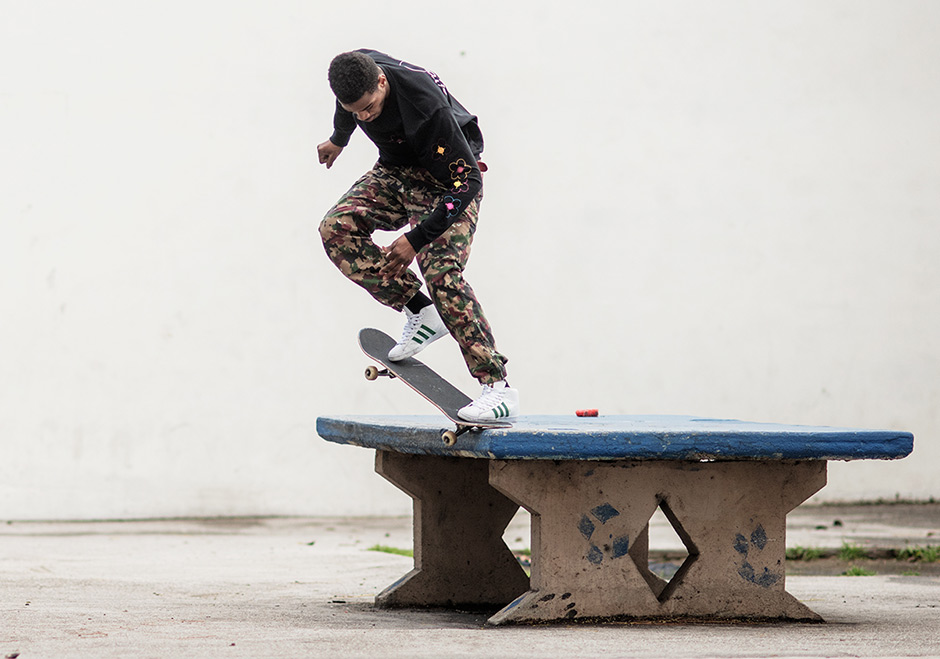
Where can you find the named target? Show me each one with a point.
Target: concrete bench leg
(590, 537)
(460, 557)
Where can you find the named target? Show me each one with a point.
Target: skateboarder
(428, 179)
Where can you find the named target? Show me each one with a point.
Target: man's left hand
(398, 256)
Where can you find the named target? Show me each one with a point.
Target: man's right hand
(328, 153)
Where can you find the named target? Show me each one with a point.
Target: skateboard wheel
(449, 437)
(372, 373)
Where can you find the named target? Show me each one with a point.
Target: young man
(427, 178)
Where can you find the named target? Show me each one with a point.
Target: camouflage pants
(389, 199)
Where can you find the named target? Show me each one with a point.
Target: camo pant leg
(442, 264)
(374, 202)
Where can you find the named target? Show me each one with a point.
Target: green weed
(803, 553)
(855, 571)
(850, 552)
(928, 554)
(392, 550)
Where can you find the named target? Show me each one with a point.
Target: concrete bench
(591, 486)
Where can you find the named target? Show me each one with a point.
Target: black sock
(418, 302)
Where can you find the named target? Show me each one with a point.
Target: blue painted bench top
(620, 437)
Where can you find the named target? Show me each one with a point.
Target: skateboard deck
(432, 387)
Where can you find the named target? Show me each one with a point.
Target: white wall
(725, 209)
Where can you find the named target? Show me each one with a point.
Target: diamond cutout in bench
(674, 552)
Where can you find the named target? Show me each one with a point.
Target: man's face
(370, 106)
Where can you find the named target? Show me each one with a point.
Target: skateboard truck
(374, 373)
(449, 437)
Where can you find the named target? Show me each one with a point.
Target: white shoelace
(490, 398)
(414, 322)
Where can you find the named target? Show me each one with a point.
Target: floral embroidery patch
(452, 204)
(460, 173)
(441, 151)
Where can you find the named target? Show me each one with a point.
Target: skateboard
(432, 387)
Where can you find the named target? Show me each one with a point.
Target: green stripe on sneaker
(422, 336)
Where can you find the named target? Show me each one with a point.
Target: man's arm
(343, 126)
(444, 151)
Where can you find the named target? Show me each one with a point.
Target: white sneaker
(498, 402)
(421, 330)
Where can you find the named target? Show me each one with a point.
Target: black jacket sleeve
(445, 153)
(344, 124)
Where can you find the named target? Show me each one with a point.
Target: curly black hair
(352, 75)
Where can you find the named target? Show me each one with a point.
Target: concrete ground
(304, 588)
